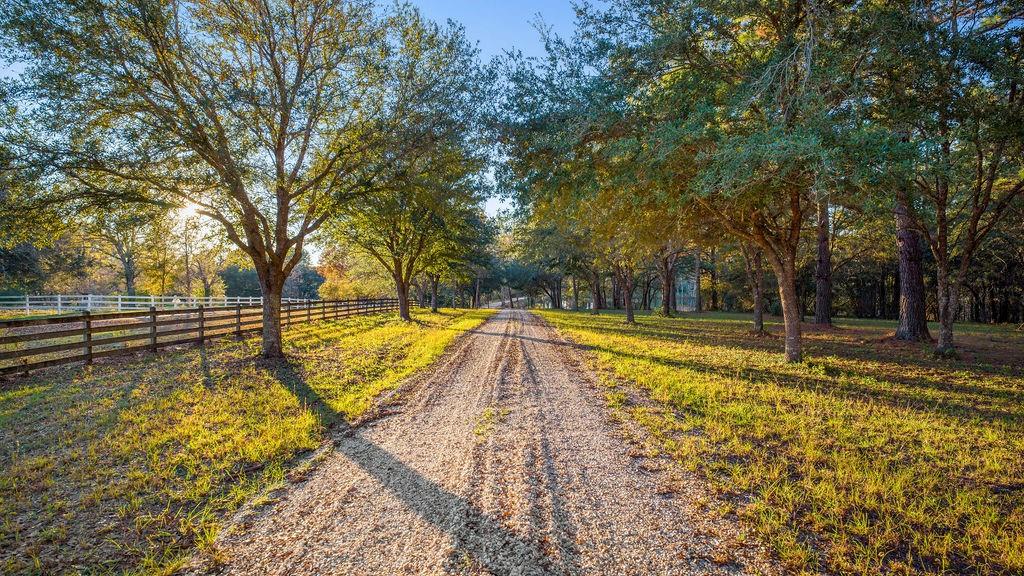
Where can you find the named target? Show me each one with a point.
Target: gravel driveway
(500, 460)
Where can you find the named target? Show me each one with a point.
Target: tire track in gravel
(502, 460)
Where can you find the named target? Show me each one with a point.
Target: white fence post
(61, 303)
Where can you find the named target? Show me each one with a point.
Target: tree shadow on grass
(477, 538)
(954, 404)
(963, 399)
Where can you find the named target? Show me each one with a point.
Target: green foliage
(425, 210)
(267, 119)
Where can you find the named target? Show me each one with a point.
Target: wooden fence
(61, 303)
(34, 343)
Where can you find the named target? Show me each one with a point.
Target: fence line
(34, 343)
(71, 302)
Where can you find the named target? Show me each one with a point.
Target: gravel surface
(500, 460)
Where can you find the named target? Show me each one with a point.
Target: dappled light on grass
(134, 463)
(865, 458)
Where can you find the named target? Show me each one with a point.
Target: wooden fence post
(87, 337)
(152, 328)
(202, 326)
(309, 311)
(238, 321)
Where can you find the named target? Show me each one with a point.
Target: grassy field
(131, 465)
(869, 457)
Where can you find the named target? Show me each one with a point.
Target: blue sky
(502, 25)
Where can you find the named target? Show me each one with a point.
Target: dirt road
(501, 460)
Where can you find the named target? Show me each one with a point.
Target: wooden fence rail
(110, 302)
(35, 343)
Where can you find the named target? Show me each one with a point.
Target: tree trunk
(913, 320)
(616, 301)
(271, 346)
(713, 273)
(785, 273)
(948, 301)
(433, 293)
(420, 293)
(673, 298)
(696, 285)
(402, 289)
(128, 267)
(575, 294)
(754, 267)
(666, 287)
(476, 293)
(627, 296)
(823, 271)
(595, 287)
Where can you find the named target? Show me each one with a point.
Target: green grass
(129, 466)
(869, 457)
(22, 315)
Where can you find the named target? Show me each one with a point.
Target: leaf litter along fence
(34, 343)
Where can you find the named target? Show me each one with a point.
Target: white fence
(61, 303)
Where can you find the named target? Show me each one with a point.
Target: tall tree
(124, 232)
(266, 115)
(949, 78)
(823, 267)
(746, 122)
(912, 323)
(434, 192)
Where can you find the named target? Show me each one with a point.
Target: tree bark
(948, 301)
(627, 295)
(673, 297)
(785, 273)
(420, 293)
(616, 292)
(666, 287)
(823, 270)
(713, 274)
(271, 345)
(433, 293)
(696, 276)
(754, 266)
(129, 276)
(402, 289)
(575, 294)
(913, 321)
